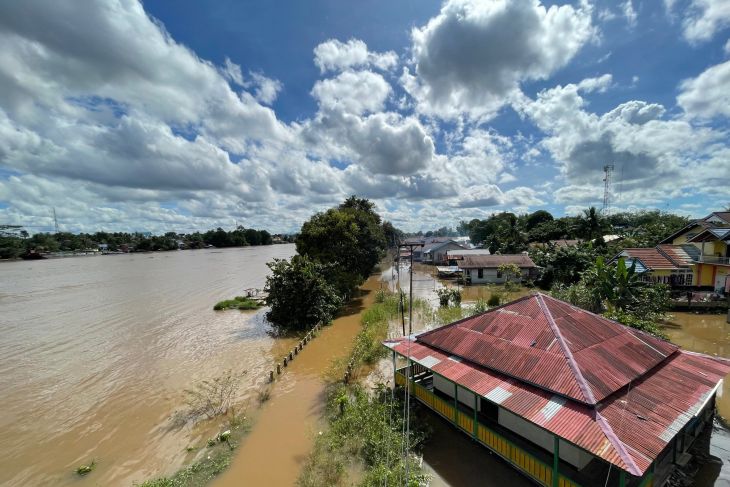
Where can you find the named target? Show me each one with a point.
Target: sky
(182, 116)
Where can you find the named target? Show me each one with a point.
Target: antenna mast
(608, 171)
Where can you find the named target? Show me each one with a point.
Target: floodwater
(96, 352)
(275, 451)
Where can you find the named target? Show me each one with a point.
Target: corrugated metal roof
(651, 257)
(553, 345)
(494, 261)
(628, 429)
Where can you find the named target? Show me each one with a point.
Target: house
(435, 252)
(665, 264)
(418, 255)
(565, 396)
(707, 241)
(483, 269)
(452, 256)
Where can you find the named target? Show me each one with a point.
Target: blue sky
(189, 115)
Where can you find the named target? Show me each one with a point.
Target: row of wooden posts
(294, 352)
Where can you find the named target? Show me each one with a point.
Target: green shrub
(495, 299)
(239, 302)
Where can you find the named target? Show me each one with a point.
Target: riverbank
(275, 451)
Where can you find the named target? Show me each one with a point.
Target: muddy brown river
(96, 351)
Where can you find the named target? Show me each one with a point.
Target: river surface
(96, 351)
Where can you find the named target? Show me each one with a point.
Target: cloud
(707, 95)
(353, 92)
(627, 8)
(650, 153)
(334, 55)
(703, 18)
(473, 55)
(265, 89)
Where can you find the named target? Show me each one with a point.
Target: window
(480, 273)
(499, 274)
(488, 409)
(688, 280)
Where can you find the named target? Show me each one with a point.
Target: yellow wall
(703, 278)
(682, 239)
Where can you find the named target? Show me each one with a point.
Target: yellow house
(707, 242)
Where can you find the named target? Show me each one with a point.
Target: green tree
(299, 293)
(592, 224)
(350, 237)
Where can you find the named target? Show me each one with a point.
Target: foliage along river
(96, 351)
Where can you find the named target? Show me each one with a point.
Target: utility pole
(607, 170)
(410, 247)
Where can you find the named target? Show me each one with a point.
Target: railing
(527, 463)
(713, 259)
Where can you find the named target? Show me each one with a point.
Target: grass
(239, 302)
(217, 456)
(365, 430)
(364, 434)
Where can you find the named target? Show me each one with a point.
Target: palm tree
(591, 225)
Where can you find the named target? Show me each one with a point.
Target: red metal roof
(489, 261)
(628, 429)
(651, 257)
(553, 345)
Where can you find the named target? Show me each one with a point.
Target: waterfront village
(564, 395)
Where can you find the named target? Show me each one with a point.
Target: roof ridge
(577, 374)
(667, 256)
(618, 445)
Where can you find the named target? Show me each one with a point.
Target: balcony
(713, 259)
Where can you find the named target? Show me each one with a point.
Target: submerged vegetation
(86, 469)
(239, 302)
(365, 430)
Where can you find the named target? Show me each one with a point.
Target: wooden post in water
(278, 369)
(284, 361)
(271, 376)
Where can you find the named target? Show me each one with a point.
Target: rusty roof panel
(641, 417)
(582, 356)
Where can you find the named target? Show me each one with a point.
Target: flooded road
(275, 451)
(96, 351)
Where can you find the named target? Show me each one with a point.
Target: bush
(495, 299)
(239, 302)
(481, 306)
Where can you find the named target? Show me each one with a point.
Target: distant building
(561, 242)
(452, 256)
(665, 264)
(566, 397)
(484, 269)
(103, 247)
(435, 252)
(706, 242)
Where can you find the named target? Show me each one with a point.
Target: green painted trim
(534, 424)
(476, 424)
(556, 460)
(622, 479)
